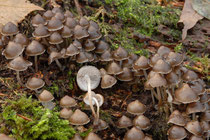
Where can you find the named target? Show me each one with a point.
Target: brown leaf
(15, 10)
(189, 17)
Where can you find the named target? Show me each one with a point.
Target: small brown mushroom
(177, 118)
(136, 108)
(134, 134)
(66, 113)
(38, 19)
(80, 32)
(126, 75)
(48, 15)
(54, 24)
(101, 47)
(13, 50)
(124, 122)
(56, 38)
(9, 29)
(176, 132)
(194, 127)
(79, 118)
(67, 102)
(70, 22)
(92, 136)
(142, 122)
(46, 98)
(114, 68)
(35, 83)
(21, 39)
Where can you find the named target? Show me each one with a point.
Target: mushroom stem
(18, 77)
(90, 96)
(159, 96)
(170, 99)
(36, 65)
(145, 74)
(59, 65)
(98, 108)
(193, 116)
(152, 94)
(58, 47)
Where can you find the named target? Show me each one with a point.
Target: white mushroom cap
(93, 73)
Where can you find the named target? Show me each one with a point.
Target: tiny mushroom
(67, 102)
(79, 118)
(46, 98)
(136, 108)
(35, 83)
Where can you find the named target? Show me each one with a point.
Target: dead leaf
(15, 10)
(189, 17)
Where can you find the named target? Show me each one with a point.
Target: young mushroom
(46, 98)
(35, 84)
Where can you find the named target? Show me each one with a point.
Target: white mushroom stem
(36, 65)
(18, 77)
(90, 96)
(98, 109)
(170, 99)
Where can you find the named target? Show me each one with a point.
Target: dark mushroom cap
(205, 126)
(41, 31)
(35, 83)
(13, 50)
(89, 45)
(134, 134)
(205, 98)
(205, 116)
(136, 108)
(92, 136)
(48, 15)
(101, 47)
(129, 62)
(66, 113)
(94, 33)
(177, 118)
(54, 24)
(45, 96)
(126, 75)
(190, 76)
(5, 137)
(102, 125)
(163, 51)
(35, 48)
(66, 32)
(142, 122)
(67, 101)
(107, 81)
(38, 19)
(162, 67)
(154, 59)
(114, 68)
(186, 95)
(80, 32)
(60, 16)
(157, 80)
(83, 22)
(172, 78)
(174, 59)
(79, 118)
(68, 14)
(176, 133)
(19, 64)
(72, 50)
(21, 39)
(70, 22)
(81, 57)
(124, 122)
(55, 38)
(120, 54)
(141, 63)
(9, 29)
(77, 44)
(89, 56)
(194, 127)
(195, 107)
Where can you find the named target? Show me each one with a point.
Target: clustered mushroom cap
(205, 116)
(68, 14)
(134, 134)
(136, 108)
(195, 107)
(80, 32)
(172, 78)
(157, 80)
(101, 47)
(107, 81)
(66, 113)
(205, 126)
(114, 68)
(35, 48)
(142, 122)
(54, 24)
(38, 19)
(163, 51)
(194, 127)
(67, 101)
(79, 118)
(21, 39)
(19, 64)
(77, 137)
(141, 63)
(124, 122)
(102, 125)
(60, 16)
(198, 88)
(55, 38)
(84, 22)
(48, 15)
(53, 56)
(89, 45)
(174, 59)
(94, 33)
(190, 76)
(41, 31)
(176, 132)
(66, 32)
(126, 75)
(46, 96)
(177, 118)
(70, 22)
(92, 136)
(154, 59)
(120, 54)
(35, 83)
(94, 75)
(162, 67)
(81, 57)
(72, 50)
(193, 137)
(9, 29)
(13, 50)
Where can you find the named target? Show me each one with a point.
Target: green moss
(42, 124)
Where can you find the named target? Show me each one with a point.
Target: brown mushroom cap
(106, 56)
(195, 107)
(141, 63)
(45, 96)
(101, 47)
(193, 137)
(194, 127)
(21, 39)
(13, 50)
(136, 108)
(176, 132)
(142, 122)
(55, 38)
(102, 125)
(5, 137)
(81, 57)
(198, 88)
(120, 54)
(77, 44)
(129, 62)
(174, 59)
(80, 32)
(154, 59)
(94, 24)
(89, 45)
(124, 122)
(138, 73)
(57, 10)
(163, 51)
(114, 68)
(134, 134)
(107, 81)
(35, 83)
(89, 56)
(60, 16)
(126, 75)
(177, 118)
(205, 126)
(54, 24)
(19, 64)
(70, 22)
(79, 118)
(94, 33)
(48, 15)
(162, 67)
(53, 56)
(41, 31)
(77, 137)
(190, 76)
(67, 101)
(68, 14)
(66, 32)
(205, 116)
(38, 19)
(172, 78)
(35, 48)
(157, 80)
(186, 95)
(205, 98)
(83, 22)
(92, 136)
(9, 29)
(66, 113)
(72, 50)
